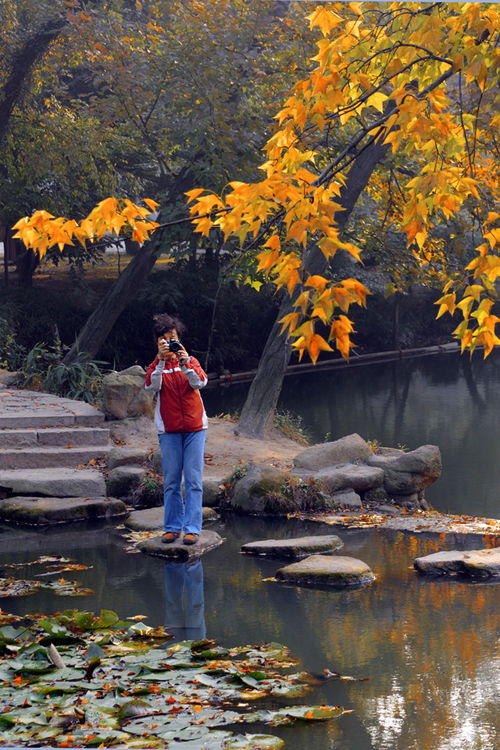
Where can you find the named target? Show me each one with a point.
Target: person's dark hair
(164, 322)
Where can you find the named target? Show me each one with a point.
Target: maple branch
(325, 174)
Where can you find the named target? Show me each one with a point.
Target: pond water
(429, 648)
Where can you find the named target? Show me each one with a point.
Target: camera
(174, 345)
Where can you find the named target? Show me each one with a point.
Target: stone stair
(49, 453)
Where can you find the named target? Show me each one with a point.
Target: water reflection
(184, 600)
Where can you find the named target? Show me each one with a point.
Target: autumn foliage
(420, 79)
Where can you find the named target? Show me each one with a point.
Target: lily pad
(179, 697)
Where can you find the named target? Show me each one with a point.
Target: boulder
(123, 480)
(211, 492)
(327, 570)
(407, 473)
(347, 498)
(45, 511)
(123, 394)
(346, 450)
(260, 492)
(296, 548)
(179, 552)
(482, 563)
(357, 477)
(9, 378)
(125, 455)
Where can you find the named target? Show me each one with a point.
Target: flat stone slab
(151, 519)
(19, 408)
(44, 511)
(178, 551)
(331, 571)
(295, 548)
(481, 563)
(53, 482)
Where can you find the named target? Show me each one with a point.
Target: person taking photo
(181, 422)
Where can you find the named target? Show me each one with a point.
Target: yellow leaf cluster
(111, 218)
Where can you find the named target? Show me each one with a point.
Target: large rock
(327, 570)
(482, 563)
(407, 473)
(350, 476)
(124, 395)
(346, 498)
(295, 548)
(260, 492)
(346, 450)
(123, 480)
(211, 492)
(178, 551)
(126, 455)
(44, 511)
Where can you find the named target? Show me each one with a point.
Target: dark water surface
(429, 648)
(447, 400)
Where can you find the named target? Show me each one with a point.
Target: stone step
(49, 457)
(50, 436)
(19, 408)
(44, 511)
(51, 419)
(63, 482)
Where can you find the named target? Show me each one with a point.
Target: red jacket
(179, 407)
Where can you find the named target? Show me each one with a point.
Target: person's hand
(163, 352)
(182, 356)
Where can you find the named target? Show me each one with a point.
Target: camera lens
(174, 345)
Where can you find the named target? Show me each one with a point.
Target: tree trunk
(26, 265)
(96, 329)
(265, 389)
(23, 63)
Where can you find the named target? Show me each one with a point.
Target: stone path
(49, 451)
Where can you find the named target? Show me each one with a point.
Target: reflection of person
(181, 423)
(184, 601)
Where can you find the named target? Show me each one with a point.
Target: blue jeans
(182, 452)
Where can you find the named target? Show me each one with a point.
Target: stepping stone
(44, 511)
(296, 548)
(481, 563)
(53, 482)
(151, 519)
(49, 457)
(178, 551)
(327, 571)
